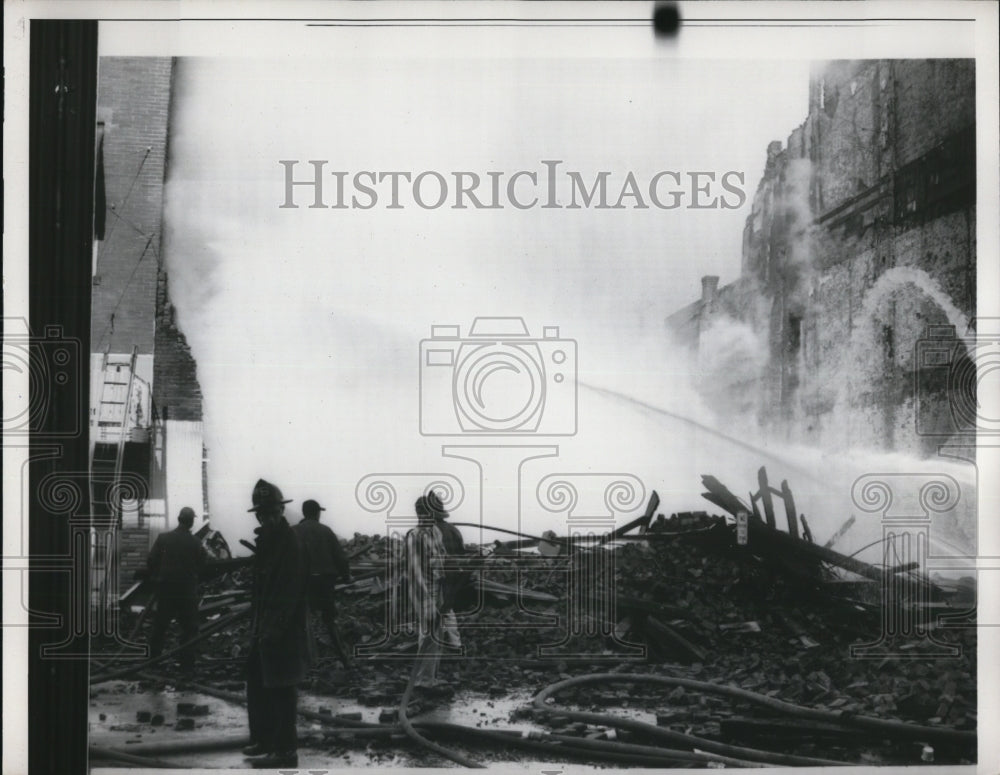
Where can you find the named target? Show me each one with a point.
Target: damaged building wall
(860, 237)
(131, 315)
(179, 437)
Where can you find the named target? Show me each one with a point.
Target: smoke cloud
(306, 325)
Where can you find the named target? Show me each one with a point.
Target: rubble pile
(687, 595)
(687, 600)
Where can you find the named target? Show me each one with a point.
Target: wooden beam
(674, 639)
(764, 493)
(720, 495)
(840, 533)
(790, 514)
(651, 507)
(780, 540)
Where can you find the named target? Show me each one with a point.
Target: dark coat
(455, 579)
(176, 559)
(322, 548)
(451, 537)
(278, 607)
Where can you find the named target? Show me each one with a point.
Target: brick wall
(847, 107)
(877, 177)
(133, 104)
(175, 374)
(921, 86)
(893, 119)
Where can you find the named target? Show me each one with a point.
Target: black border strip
(62, 114)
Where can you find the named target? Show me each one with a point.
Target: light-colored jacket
(424, 574)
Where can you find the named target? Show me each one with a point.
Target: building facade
(860, 249)
(148, 458)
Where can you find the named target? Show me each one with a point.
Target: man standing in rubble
(455, 580)
(327, 561)
(174, 563)
(280, 650)
(425, 554)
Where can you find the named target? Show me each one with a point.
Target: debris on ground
(778, 616)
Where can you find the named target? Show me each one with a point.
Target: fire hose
(542, 742)
(518, 533)
(603, 539)
(355, 727)
(224, 743)
(109, 754)
(888, 727)
(608, 750)
(131, 635)
(622, 753)
(713, 749)
(210, 630)
(412, 733)
(700, 743)
(556, 744)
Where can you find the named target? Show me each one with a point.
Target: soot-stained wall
(860, 242)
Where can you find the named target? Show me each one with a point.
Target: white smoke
(306, 324)
(732, 360)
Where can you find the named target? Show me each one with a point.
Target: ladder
(112, 431)
(116, 393)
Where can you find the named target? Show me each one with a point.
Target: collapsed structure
(748, 630)
(858, 269)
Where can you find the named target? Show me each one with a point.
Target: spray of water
(822, 480)
(732, 357)
(894, 315)
(759, 452)
(897, 280)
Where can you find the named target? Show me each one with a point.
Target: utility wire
(121, 295)
(128, 194)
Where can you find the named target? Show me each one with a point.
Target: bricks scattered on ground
(718, 614)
